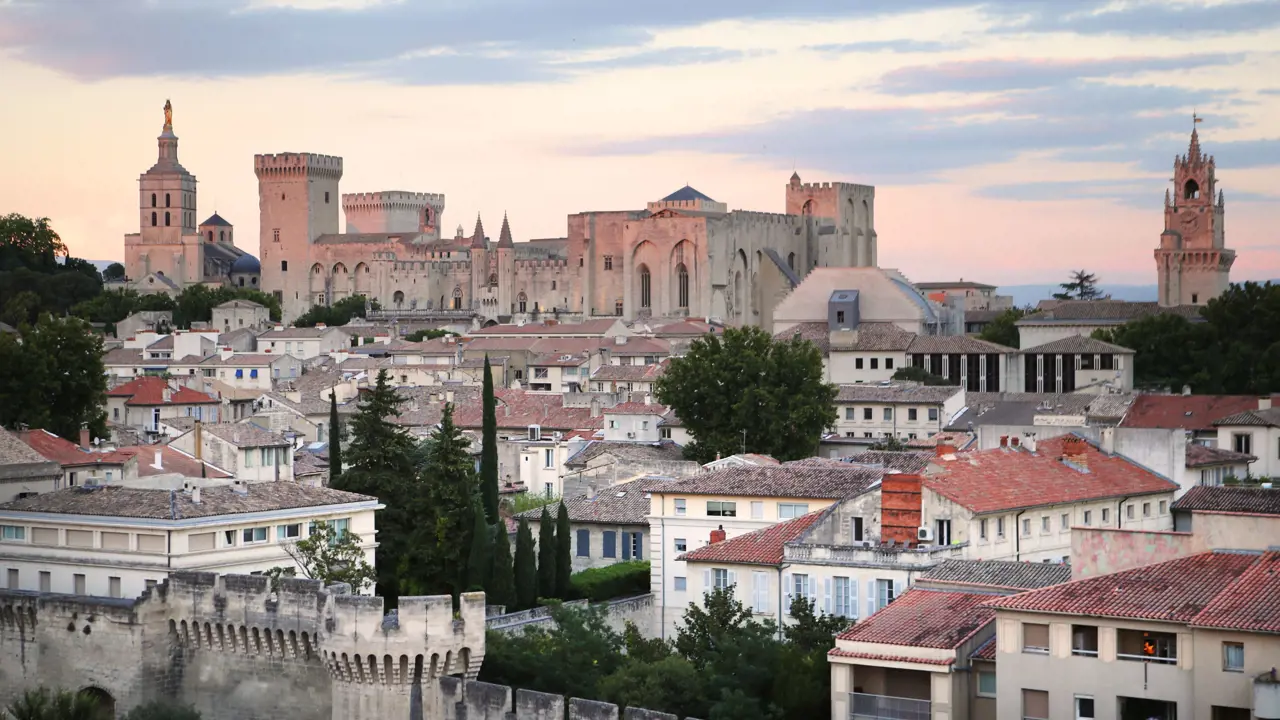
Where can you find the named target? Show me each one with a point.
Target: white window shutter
(853, 597)
(812, 589)
(787, 588)
(706, 582)
(871, 597)
(897, 589)
(733, 581)
(764, 592)
(826, 595)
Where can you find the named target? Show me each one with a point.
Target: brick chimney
(1074, 451)
(1004, 441)
(944, 449)
(717, 535)
(900, 513)
(85, 439)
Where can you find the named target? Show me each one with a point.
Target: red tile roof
(150, 390)
(1185, 412)
(1251, 603)
(172, 460)
(636, 408)
(925, 618)
(760, 547)
(1249, 500)
(999, 479)
(1173, 591)
(987, 651)
(1202, 456)
(66, 453)
(837, 652)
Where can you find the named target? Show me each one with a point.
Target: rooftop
(911, 463)
(295, 333)
(1079, 345)
(216, 219)
(1257, 418)
(897, 393)
(56, 448)
(927, 344)
(1091, 311)
(1185, 412)
(969, 284)
(1224, 589)
(1000, 479)
(760, 547)
(636, 408)
(1254, 501)
(634, 451)
(925, 618)
(151, 390)
(622, 504)
(686, 193)
(786, 481)
(629, 373)
(15, 451)
(998, 574)
(1202, 455)
(244, 435)
(588, 327)
(117, 501)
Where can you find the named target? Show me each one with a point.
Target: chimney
(506, 410)
(595, 406)
(195, 495)
(225, 352)
(1004, 441)
(648, 399)
(167, 394)
(1030, 442)
(85, 439)
(900, 508)
(1108, 440)
(1264, 402)
(1186, 390)
(1014, 441)
(158, 464)
(717, 535)
(944, 449)
(1073, 451)
(448, 396)
(240, 487)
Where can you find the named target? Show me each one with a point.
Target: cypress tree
(335, 440)
(564, 561)
(480, 561)
(376, 443)
(526, 568)
(546, 556)
(489, 448)
(444, 515)
(501, 589)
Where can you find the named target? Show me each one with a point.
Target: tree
(22, 308)
(1003, 330)
(546, 556)
(526, 568)
(1083, 285)
(160, 710)
(45, 704)
(489, 447)
(747, 391)
(564, 558)
(330, 556)
(29, 243)
(912, 373)
(420, 335)
(114, 271)
(889, 444)
(501, 589)
(671, 683)
(196, 302)
(335, 440)
(339, 313)
(480, 560)
(1169, 351)
(442, 539)
(52, 377)
(377, 443)
(707, 626)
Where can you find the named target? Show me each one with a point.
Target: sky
(1009, 142)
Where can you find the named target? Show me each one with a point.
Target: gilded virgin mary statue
(168, 113)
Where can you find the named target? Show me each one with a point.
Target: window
(1106, 515)
(857, 363)
(1084, 708)
(875, 363)
(153, 199)
(840, 321)
(800, 587)
(16, 533)
(289, 532)
(888, 363)
(166, 219)
(912, 414)
(855, 529)
(1143, 646)
(720, 578)
(646, 286)
(1044, 524)
(849, 414)
(999, 527)
(757, 510)
(326, 197)
(986, 684)
(632, 546)
(982, 529)
(681, 545)
(1084, 640)
(113, 587)
(664, 433)
(254, 535)
(718, 508)
(78, 584)
(866, 413)
(248, 458)
(540, 373)
(166, 200)
(1088, 517)
(548, 458)
(46, 581)
(787, 511)
(933, 414)
(760, 591)
(609, 544)
(680, 506)
(584, 543)
(153, 219)
(13, 579)
(884, 593)
(1146, 509)
(608, 262)
(1242, 442)
(1035, 705)
(888, 414)
(1035, 638)
(842, 597)
(1164, 506)
(229, 537)
(681, 584)
(1232, 656)
(1128, 511)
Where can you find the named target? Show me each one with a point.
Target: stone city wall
(638, 610)
(472, 700)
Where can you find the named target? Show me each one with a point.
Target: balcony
(883, 555)
(884, 707)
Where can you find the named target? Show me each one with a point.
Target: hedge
(624, 579)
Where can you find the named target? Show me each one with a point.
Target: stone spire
(477, 239)
(1166, 197)
(504, 237)
(1193, 152)
(1221, 202)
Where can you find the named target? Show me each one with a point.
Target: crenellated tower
(1193, 264)
(845, 213)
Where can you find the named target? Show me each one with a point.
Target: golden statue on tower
(168, 113)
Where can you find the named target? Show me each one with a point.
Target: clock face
(1190, 221)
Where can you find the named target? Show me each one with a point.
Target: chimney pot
(1004, 441)
(718, 535)
(85, 439)
(1186, 389)
(944, 449)
(1014, 441)
(1264, 402)
(158, 463)
(195, 495)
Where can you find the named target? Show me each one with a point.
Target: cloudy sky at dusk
(1008, 141)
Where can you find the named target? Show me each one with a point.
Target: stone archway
(104, 703)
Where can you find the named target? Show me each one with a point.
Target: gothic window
(617, 307)
(608, 262)
(166, 219)
(682, 286)
(153, 199)
(493, 279)
(398, 298)
(1191, 190)
(646, 283)
(275, 235)
(522, 301)
(807, 209)
(222, 236)
(153, 219)
(457, 298)
(791, 261)
(166, 199)
(210, 236)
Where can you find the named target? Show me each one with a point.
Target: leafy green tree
(564, 557)
(196, 302)
(29, 243)
(442, 540)
(1168, 350)
(1083, 285)
(114, 271)
(1003, 330)
(22, 308)
(890, 444)
(45, 704)
(745, 390)
(420, 335)
(526, 568)
(489, 447)
(501, 589)
(335, 440)
(330, 556)
(644, 649)
(480, 560)
(339, 313)
(52, 377)
(810, 631)
(670, 684)
(377, 443)
(912, 373)
(570, 659)
(159, 710)
(708, 625)
(546, 556)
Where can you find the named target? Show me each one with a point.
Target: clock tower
(1192, 263)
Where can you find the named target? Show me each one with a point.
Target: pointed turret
(1221, 202)
(795, 179)
(504, 237)
(1193, 152)
(1166, 197)
(477, 239)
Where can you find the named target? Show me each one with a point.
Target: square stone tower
(1193, 264)
(851, 207)
(297, 203)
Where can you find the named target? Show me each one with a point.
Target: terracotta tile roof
(636, 408)
(818, 333)
(622, 504)
(434, 346)
(1104, 310)
(522, 408)
(665, 451)
(837, 652)
(16, 451)
(1256, 501)
(297, 333)
(66, 453)
(118, 501)
(1078, 344)
(1201, 455)
(244, 435)
(760, 547)
(925, 618)
(629, 373)
(164, 343)
(686, 328)
(150, 390)
(986, 481)
(639, 346)
(1251, 603)
(925, 344)
(557, 360)
(998, 574)
(957, 439)
(897, 393)
(172, 461)
(912, 463)
(986, 651)
(1185, 412)
(1172, 591)
(1257, 418)
(507, 344)
(869, 337)
(831, 483)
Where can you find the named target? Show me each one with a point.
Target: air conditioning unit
(535, 432)
(924, 534)
(865, 543)
(631, 435)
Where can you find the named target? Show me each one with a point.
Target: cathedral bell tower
(1193, 264)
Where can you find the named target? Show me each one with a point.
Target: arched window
(166, 219)
(457, 298)
(153, 199)
(646, 283)
(522, 302)
(791, 261)
(222, 236)
(153, 219)
(682, 286)
(166, 199)
(1191, 190)
(210, 236)
(398, 298)
(493, 280)
(808, 208)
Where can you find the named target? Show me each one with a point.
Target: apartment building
(304, 343)
(23, 471)
(905, 411)
(245, 450)
(245, 371)
(607, 526)
(1254, 432)
(144, 402)
(113, 541)
(134, 466)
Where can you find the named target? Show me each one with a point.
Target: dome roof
(246, 263)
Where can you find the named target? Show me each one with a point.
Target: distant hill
(1032, 294)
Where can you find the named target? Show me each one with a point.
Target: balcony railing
(1147, 658)
(884, 707)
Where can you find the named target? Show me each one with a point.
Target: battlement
(542, 263)
(297, 163)
(767, 217)
(391, 199)
(829, 186)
